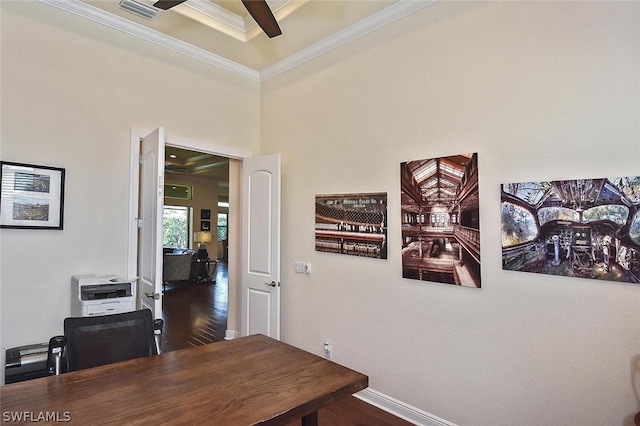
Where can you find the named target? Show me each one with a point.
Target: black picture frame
(205, 214)
(205, 225)
(31, 196)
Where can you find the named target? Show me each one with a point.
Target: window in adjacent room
(180, 192)
(175, 226)
(222, 226)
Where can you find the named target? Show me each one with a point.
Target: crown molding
(227, 22)
(216, 12)
(216, 17)
(92, 13)
(390, 14)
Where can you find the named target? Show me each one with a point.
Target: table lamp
(202, 238)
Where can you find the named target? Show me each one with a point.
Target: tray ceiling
(221, 33)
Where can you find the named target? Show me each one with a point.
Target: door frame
(136, 135)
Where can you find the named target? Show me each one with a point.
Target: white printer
(93, 295)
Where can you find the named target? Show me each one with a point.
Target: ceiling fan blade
(167, 4)
(259, 10)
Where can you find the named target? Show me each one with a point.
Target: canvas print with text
(353, 224)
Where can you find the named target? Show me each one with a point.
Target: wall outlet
(327, 350)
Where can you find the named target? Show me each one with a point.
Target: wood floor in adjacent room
(196, 314)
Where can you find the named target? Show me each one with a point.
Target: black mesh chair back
(104, 339)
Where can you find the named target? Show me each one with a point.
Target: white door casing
(151, 200)
(260, 288)
(140, 265)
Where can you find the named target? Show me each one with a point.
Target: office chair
(104, 339)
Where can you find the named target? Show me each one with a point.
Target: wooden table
(245, 381)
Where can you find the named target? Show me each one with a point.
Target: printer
(101, 295)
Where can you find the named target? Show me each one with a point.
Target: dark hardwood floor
(196, 314)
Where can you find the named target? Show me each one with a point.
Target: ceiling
(222, 33)
(183, 161)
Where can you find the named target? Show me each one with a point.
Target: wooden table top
(245, 381)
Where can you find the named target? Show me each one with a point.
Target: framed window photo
(31, 197)
(205, 214)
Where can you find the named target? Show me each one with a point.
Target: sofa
(177, 265)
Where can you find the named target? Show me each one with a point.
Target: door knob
(271, 284)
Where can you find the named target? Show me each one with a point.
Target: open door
(260, 279)
(151, 197)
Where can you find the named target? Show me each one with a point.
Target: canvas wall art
(441, 220)
(586, 228)
(352, 224)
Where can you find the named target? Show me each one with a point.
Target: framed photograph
(32, 197)
(205, 225)
(205, 214)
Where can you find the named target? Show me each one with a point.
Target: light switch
(301, 267)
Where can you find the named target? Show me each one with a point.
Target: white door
(260, 279)
(150, 221)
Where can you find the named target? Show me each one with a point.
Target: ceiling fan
(258, 9)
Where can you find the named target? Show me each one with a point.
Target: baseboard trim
(385, 402)
(400, 409)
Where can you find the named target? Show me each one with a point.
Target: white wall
(71, 92)
(541, 90)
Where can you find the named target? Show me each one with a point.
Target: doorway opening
(195, 311)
